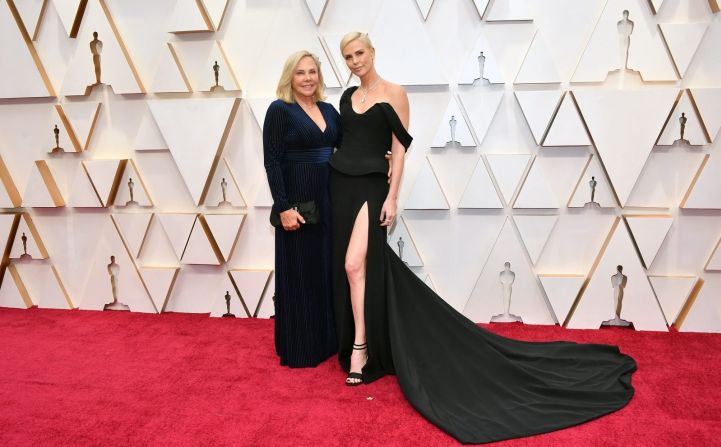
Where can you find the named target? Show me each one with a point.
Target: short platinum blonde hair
(355, 35)
(284, 92)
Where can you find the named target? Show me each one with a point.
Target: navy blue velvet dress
(296, 156)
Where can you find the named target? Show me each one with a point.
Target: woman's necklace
(368, 90)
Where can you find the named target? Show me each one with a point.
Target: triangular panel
(149, 137)
(597, 303)
(538, 107)
(26, 78)
(131, 189)
(683, 39)
(250, 285)
(683, 112)
(536, 192)
(481, 105)
(401, 15)
(177, 227)
(582, 193)
(224, 190)
(105, 177)
(453, 129)
(33, 245)
(527, 300)
(44, 285)
(133, 228)
(561, 291)
(189, 18)
(481, 65)
(672, 293)
(567, 128)
(538, 66)
(42, 189)
(79, 119)
(13, 292)
(426, 193)
(508, 170)
(401, 242)
(201, 247)
(81, 192)
(116, 67)
(170, 76)
(317, 7)
(480, 192)
(649, 232)
(708, 101)
(159, 282)
(624, 125)
(196, 131)
(225, 229)
(705, 312)
(534, 231)
(509, 10)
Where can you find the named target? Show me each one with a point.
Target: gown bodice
(366, 137)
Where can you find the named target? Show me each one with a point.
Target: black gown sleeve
(274, 128)
(396, 125)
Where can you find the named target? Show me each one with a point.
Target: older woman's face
(358, 57)
(305, 77)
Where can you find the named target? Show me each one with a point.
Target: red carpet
(81, 378)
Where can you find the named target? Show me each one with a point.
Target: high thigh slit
(475, 385)
(357, 191)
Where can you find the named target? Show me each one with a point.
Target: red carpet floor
(77, 378)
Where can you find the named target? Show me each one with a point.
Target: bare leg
(355, 267)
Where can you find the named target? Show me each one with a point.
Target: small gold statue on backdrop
(618, 282)
(131, 190)
(25, 255)
(682, 122)
(96, 47)
(227, 314)
(114, 272)
(216, 73)
(592, 185)
(57, 149)
(507, 277)
(224, 191)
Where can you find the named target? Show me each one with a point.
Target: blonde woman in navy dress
(299, 134)
(475, 385)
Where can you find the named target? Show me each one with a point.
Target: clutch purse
(307, 210)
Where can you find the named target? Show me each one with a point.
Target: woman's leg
(355, 267)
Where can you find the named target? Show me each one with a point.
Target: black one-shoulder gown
(477, 386)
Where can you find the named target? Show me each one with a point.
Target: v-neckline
(322, 131)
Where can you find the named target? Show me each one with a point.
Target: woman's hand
(291, 219)
(389, 157)
(388, 212)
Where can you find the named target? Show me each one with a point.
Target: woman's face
(358, 57)
(305, 77)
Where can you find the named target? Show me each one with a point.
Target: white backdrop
(554, 107)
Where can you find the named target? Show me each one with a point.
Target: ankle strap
(359, 347)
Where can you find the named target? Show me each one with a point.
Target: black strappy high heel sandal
(355, 375)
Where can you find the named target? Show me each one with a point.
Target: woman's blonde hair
(355, 35)
(284, 92)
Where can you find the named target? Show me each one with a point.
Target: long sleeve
(336, 121)
(274, 128)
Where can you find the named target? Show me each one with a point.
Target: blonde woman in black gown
(477, 386)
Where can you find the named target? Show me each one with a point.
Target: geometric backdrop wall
(566, 138)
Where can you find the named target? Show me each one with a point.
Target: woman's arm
(274, 129)
(399, 102)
